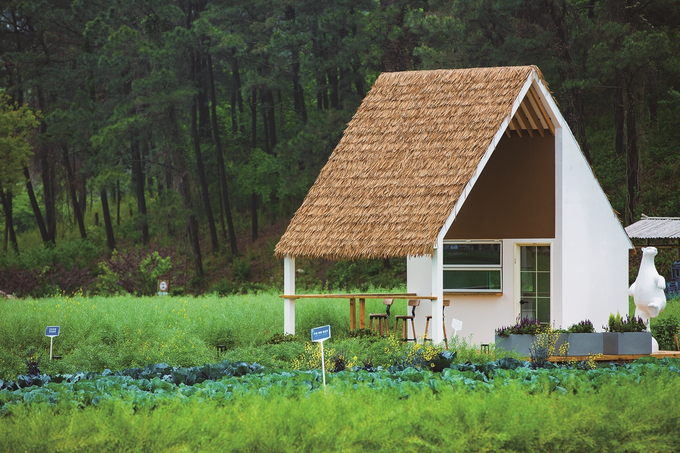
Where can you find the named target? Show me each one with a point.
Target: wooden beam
(532, 112)
(545, 115)
(518, 129)
(523, 118)
(507, 132)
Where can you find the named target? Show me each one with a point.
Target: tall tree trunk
(138, 176)
(6, 199)
(236, 96)
(202, 179)
(47, 173)
(253, 118)
(36, 209)
(298, 92)
(108, 226)
(253, 216)
(619, 115)
(333, 82)
(81, 185)
(358, 82)
(117, 202)
(253, 144)
(220, 162)
(72, 191)
(632, 161)
(48, 176)
(265, 124)
(192, 227)
(271, 118)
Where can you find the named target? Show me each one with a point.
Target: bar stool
(404, 318)
(381, 318)
(445, 303)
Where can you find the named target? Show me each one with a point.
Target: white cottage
(474, 176)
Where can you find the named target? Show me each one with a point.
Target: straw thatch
(402, 163)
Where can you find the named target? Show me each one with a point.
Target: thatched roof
(402, 163)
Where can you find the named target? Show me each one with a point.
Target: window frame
(475, 267)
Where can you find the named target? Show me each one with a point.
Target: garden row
(160, 383)
(489, 407)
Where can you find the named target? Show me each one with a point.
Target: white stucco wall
(594, 246)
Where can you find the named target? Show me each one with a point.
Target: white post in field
(289, 290)
(438, 292)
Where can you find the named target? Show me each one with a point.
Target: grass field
(608, 409)
(123, 332)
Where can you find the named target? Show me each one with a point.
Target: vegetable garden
(144, 374)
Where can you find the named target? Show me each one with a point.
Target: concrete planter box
(617, 343)
(522, 343)
(582, 344)
(519, 343)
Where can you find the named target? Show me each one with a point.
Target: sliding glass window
(473, 266)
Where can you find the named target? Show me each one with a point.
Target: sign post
(319, 335)
(51, 331)
(163, 287)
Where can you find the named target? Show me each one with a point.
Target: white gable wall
(591, 247)
(594, 246)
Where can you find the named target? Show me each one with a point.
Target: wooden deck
(617, 358)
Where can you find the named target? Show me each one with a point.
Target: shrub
(663, 331)
(135, 271)
(582, 327)
(279, 338)
(45, 281)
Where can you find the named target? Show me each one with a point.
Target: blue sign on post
(52, 331)
(321, 333)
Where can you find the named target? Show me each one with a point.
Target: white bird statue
(647, 290)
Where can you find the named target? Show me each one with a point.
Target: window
(472, 266)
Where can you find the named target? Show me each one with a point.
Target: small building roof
(654, 228)
(405, 158)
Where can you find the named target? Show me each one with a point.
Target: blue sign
(52, 331)
(321, 333)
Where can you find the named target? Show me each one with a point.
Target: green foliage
(582, 327)
(362, 274)
(630, 324)
(663, 330)
(17, 124)
(523, 326)
(492, 406)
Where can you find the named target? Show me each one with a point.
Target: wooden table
(362, 302)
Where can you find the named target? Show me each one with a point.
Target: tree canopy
(198, 122)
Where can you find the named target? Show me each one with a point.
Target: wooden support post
(352, 313)
(362, 313)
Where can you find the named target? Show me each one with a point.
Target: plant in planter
(519, 336)
(583, 340)
(582, 327)
(626, 336)
(523, 326)
(618, 324)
